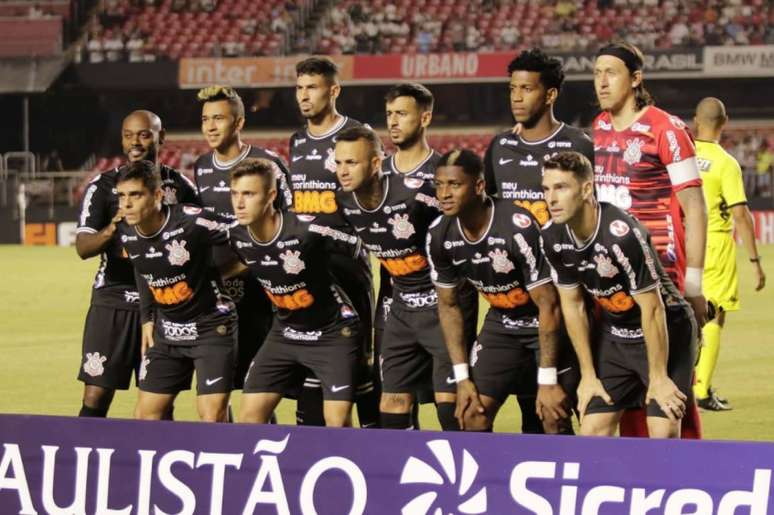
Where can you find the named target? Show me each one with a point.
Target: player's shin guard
(309, 408)
(446, 416)
(395, 420)
(708, 358)
(86, 411)
(415, 416)
(530, 422)
(367, 402)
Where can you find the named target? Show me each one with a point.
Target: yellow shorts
(721, 283)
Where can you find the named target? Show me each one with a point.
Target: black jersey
(503, 264)
(513, 167)
(395, 233)
(293, 270)
(174, 267)
(616, 263)
(114, 284)
(425, 170)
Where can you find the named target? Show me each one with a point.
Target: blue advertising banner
(59, 465)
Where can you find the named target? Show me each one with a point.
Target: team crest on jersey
(520, 220)
(633, 152)
(93, 365)
(178, 256)
(401, 227)
(170, 196)
(291, 261)
(500, 261)
(619, 228)
(605, 266)
(143, 369)
(330, 161)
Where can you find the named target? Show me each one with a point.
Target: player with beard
(643, 351)
(188, 322)
(313, 183)
(513, 163)
(223, 118)
(645, 164)
(495, 246)
(111, 337)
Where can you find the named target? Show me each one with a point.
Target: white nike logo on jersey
(360, 229)
(211, 382)
(133, 256)
(562, 371)
(297, 158)
(250, 261)
(457, 262)
(203, 189)
(335, 388)
(504, 161)
(450, 380)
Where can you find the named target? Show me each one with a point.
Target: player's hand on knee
(552, 403)
(467, 401)
(147, 337)
(699, 305)
(668, 397)
(589, 388)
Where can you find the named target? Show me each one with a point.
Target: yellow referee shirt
(722, 184)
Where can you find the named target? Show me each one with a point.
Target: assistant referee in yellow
(725, 197)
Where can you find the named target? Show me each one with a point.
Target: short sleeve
(563, 276)
(732, 184)
(526, 239)
(94, 214)
(633, 253)
(442, 271)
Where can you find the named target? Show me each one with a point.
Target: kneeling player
(193, 325)
(495, 245)
(644, 351)
(315, 325)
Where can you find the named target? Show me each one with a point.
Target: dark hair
(465, 159)
(572, 162)
(535, 60)
(318, 66)
(253, 166)
(144, 171)
(227, 93)
(414, 90)
(634, 62)
(361, 132)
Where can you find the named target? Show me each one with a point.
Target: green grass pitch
(45, 292)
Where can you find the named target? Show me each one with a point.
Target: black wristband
(755, 260)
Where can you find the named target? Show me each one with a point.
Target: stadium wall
(69, 465)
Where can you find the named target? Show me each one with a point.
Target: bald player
(111, 336)
(727, 210)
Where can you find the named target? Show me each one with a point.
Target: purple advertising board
(59, 465)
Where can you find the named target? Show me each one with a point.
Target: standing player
(724, 194)
(223, 118)
(391, 214)
(644, 350)
(513, 163)
(495, 246)
(188, 322)
(316, 325)
(111, 337)
(645, 164)
(313, 182)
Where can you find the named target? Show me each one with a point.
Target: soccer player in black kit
(316, 326)
(513, 162)
(391, 212)
(111, 337)
(313, 182)
(223, 118)
(188, 321)
(644, 351)
(495, 246)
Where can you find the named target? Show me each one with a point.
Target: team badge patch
(178, 256)
(633, 152)
(401, 227)
(291, 261)
(500, 261)
(330, 161)
(520, 220)
(605, 266)
(93, 365)
(619, 228)
(170, 196)
(143, 369)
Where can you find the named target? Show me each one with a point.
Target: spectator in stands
(456, 32)
(424, 40)
(679, 32)
(95, 48)
(113, 46)
(764, 161)
(134, 47)
(509, 34)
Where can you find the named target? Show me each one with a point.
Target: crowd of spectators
(754, 149)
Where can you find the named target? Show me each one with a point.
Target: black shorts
(331, 353)
(623, 368)
(168, 369)
(255, 319)
(505, 359)
(354, 277)
(111, 347)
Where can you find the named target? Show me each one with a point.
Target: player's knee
(593, 426)
(530, 422)
(446, 416)
(215, 413)
(97, 397)
(395, 403)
